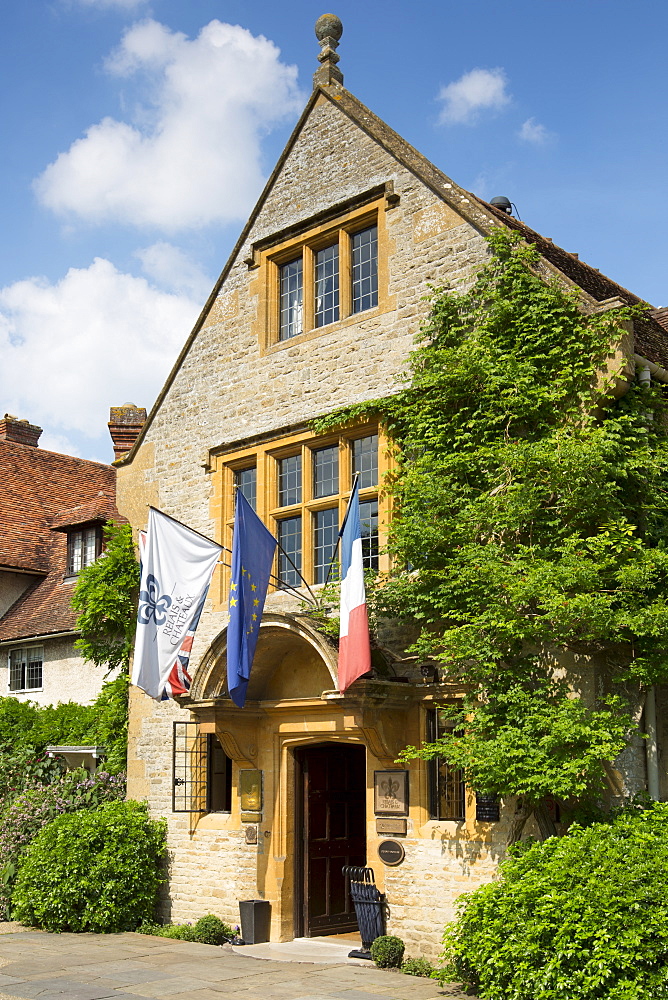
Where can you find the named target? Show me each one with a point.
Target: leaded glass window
(327, 285)
(289, 481)
(25, 668)
(83, 548)
(290, 551)
(365, 460)
(291, 299)
(246, 481)
(369, 524)
(325, 535)
(326, 471)
(364, 250)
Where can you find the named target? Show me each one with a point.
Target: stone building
(317, 308)
(52, 509)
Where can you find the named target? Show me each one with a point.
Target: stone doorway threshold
(319, 950)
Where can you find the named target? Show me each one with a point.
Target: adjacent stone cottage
(317, 308)
(52, 510)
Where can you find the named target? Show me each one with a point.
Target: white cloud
(95, 339)
(173, 270)
(535, 133)
(191, 154)
(475, 91)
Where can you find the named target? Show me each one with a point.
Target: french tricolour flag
(354, 647)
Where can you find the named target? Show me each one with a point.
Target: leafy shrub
(212, 930)
(93, 870)
(417, 967)
(179, 932)
(208, 930)
(23, 817)
(387, 951)
(581, 916)
(26, 729)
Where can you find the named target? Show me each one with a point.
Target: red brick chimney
(125, 423)
(19, 431)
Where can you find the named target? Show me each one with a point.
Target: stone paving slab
(39, 966)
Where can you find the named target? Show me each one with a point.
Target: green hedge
(581, 917)
(92, 871)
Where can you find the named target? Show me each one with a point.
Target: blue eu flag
(253, 551)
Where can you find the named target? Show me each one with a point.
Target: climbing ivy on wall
(531, 511)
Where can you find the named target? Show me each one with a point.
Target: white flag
(177, 566)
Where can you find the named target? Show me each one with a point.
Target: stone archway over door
(331, 816)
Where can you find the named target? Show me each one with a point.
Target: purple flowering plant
(27, 811)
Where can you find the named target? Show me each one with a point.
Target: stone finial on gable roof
(328, 30)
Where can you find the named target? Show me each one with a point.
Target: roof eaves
(127, 458)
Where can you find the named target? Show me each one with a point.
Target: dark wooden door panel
(334, 809)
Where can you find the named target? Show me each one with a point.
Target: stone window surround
(337, 224)
(265, 455)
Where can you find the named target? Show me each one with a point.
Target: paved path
(129, 966)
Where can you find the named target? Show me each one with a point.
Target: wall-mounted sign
(391, 852)
(250, 789)
(393, 826)
(390, 790)
(487, 809)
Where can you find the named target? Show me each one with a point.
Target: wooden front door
(332, 816)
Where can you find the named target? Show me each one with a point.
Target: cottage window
(83, 548)
(302, 490)
(447, 791)
(25, 668)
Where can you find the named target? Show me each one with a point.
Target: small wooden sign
(391, 852)
(395, 826)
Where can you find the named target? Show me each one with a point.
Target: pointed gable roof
(651, 338)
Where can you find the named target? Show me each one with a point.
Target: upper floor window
(83, 548)
(324, 284)
(302, 490)
(25, 668)
(246, 481)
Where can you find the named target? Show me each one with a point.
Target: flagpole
(274, 579)
(338, 540)
(181, 523)
(280, 585)
(281, 549)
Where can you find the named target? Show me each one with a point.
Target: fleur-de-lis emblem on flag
(152, 606)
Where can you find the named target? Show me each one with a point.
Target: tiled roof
(35, 487)
(661, 316)
(41, 491)
(650, 331)
(46, 606)
(102, 508)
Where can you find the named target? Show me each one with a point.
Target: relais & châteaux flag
(176, 569)
(354, 646)
(253, 549)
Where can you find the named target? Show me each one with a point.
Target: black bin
(255, 920)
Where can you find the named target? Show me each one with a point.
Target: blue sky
(136, 135)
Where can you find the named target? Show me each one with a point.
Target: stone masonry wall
(228, 389)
